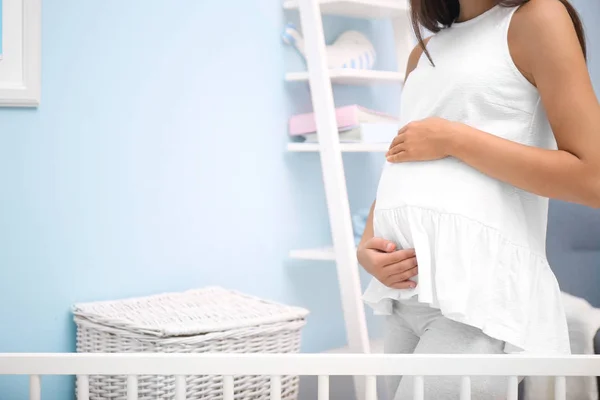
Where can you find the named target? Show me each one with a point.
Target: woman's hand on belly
(425, 140)
(390, 267)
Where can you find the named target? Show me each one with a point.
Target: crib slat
(275, 387)
(418, 388)
(180, 387)
(465, 388)
(323, 387)
(228, 387)
(83, 387)
(35, 387)
(132, 387)
(513, 388)
(371, 388)
(560, 388)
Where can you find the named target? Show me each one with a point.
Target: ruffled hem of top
(476, 276)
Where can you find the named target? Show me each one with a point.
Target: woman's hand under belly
(393, 268)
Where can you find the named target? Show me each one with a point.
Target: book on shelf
(347, 118)
(363, 133)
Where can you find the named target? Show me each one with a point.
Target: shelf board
(345, 147)
(349, 76)
(376, 348)
(369, 9)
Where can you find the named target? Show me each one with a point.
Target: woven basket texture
(208, 320)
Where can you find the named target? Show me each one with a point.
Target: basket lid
(192, 312)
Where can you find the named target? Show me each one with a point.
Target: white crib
(276, 365)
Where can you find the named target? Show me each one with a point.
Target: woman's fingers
(400, 266)
(380, 244)
(399, 256)
(401, 156)
(399, 138)
(401, 280)
(397, 146)
(404, 285)
(403, 275)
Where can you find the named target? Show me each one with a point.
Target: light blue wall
(156, 163)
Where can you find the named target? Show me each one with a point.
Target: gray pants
(417, 328)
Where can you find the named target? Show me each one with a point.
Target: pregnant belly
(449, 186)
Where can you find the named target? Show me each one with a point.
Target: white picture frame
(20, 62)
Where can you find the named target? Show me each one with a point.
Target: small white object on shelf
(369, 9)
(351, 49)
(348, 76)
(345, 147)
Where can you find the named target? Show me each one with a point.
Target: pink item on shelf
(347, 117)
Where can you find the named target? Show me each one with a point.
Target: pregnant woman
(499, 115)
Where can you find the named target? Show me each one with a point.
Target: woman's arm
(545, 47)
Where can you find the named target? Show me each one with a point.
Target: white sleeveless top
(480, 242)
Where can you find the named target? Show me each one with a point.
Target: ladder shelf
(320, 79)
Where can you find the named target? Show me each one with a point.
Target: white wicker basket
(207, 320)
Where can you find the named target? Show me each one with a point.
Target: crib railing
(278, 365)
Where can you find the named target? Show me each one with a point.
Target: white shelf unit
(344, 147)
(349, 76)
(320, 80)
(370, 9)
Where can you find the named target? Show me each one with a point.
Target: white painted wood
(20, 69)
(335, 181)
(358, 8)
(513, 388)
(349, 76)
(418, 388)
(323, 387)
(275, 387)
(320, 79)
(35, 387)
(344, 147)
(132, 387)
(465, 388)
(371, 387)
(180, 387)
(83, 384)
(560, 388)
(296, 364)
(228, 387)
